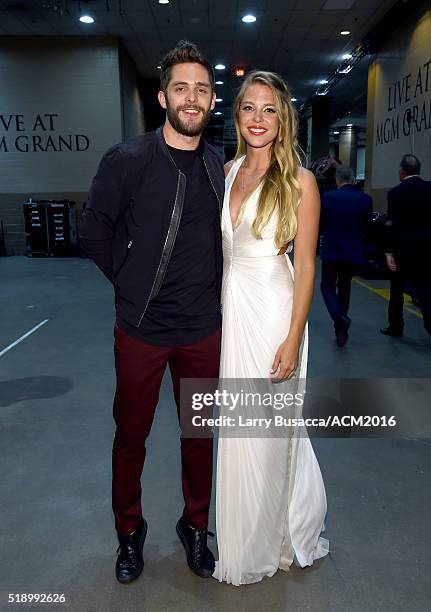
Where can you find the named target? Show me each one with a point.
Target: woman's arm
(304, 268)
(305, 252)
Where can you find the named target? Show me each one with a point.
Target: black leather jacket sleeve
(106, 203)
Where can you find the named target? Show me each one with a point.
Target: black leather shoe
(199, 557)
(130, 562)
(391, 331)
(341, 330)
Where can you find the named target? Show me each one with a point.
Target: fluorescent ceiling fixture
(322, 93)
(86, 19)
(347, 56)
(220, 67)
(159, 67)
(336, 132)
(349, 124)
(294, 99)
(219, 99)
(218, 113)
(248, 19)
(323, 82)
(346, 70)
(219, 82)
(345, 32)
(164, 1)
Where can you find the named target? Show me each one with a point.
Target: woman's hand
(285, 360)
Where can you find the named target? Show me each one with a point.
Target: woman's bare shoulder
(304, 175)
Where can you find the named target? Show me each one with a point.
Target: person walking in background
(344, 216)
(408, 239)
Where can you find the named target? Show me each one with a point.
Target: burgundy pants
(140, 368)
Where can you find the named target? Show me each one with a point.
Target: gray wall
(64, 102)
(402, 61)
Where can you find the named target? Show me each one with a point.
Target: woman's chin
(257, 142)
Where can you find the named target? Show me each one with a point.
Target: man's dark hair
(344, 174)
(183, 53)
(410, 164)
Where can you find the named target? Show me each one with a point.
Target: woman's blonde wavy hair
(281, 191)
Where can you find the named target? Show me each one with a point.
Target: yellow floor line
(384, 293)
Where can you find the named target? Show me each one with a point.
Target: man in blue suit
(344, 216)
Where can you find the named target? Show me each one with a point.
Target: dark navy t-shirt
(187, 307)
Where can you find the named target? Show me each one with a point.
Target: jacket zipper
(129, 245)
(160, 274)
(212, 184)
(218, 200)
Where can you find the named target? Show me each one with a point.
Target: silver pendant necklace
(250, 176)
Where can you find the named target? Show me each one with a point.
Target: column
(320, 120)
(347, 148)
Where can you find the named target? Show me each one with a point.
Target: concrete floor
(57, 535)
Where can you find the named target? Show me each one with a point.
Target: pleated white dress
(270, 496)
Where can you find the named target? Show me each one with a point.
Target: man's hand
(390, 260)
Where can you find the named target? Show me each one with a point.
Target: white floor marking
(31, 331)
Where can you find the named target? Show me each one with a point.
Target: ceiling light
(239, 72)
(219, 82)
(349, 124)
(347, 56)
(249, 19)
(86, 19)
(220, 67)
(345, 32)
(294, 99)
(164, 1)
(219, 99)
(218, 113)
(159, 67)
(346, 70)
(323, 82)
(336, 132)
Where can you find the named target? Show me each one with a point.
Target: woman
(271, 501)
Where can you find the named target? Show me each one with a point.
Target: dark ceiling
(298, 38)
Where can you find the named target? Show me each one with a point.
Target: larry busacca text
(281, 421)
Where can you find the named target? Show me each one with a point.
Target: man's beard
(182, 127)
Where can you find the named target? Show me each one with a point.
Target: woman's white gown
(271, 501)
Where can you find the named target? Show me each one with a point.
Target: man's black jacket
(409, 221)
(130, 223)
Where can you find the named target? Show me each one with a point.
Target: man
(344, 216)
(409, 238)
(152, 225)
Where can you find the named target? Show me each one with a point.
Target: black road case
(50, 228)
